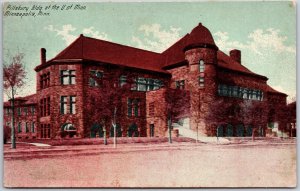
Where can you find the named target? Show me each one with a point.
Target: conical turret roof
(200, 36)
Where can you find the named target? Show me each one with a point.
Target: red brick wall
(86, 113)
(23, 118)
(55, 91)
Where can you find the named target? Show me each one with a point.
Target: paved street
(258, 164)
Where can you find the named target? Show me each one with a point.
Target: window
(67, 77)
(19, 111)
(235, 91)
(45, 80)
(129, 107)
(239, 92)
(95, 78)
(245, 93)
(146, 84)
(45, 107)
(122, 80)
(63, 104)
(26, 127)
(48, 106)
(201, 82)
(32, 127)
(136, 103)
(19, 127)
(141, 84)
(32, 110)
(7, 111)
(45, 131)
(201, 66)
(180, 84)
(25, 111)
(72, 104)
(133, 106)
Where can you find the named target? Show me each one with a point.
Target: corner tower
(201, 55)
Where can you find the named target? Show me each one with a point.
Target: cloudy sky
(265, 32)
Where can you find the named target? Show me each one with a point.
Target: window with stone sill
(95, 79)
(45, 80)
(133, 106)
(64, 100)
(67, 77)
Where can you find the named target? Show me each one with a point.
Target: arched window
(118, 130)
(229, 130)
(96, 129)
(201, 66)
(68, 127)
(133, 130)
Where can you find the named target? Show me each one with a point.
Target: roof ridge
(61, 53)
(187, 34)
(105, 41)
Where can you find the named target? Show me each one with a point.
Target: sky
(265, 32)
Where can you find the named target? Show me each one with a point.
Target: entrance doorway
(133, 131)
(96, 129)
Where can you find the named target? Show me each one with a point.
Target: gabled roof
(87, 48)
(226, 62)
(27, 100)
(90, 49)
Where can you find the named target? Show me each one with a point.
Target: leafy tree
(104, 102)
(176, 107)
(14, 75)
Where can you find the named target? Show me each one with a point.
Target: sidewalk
(30, 151)
(70, 150)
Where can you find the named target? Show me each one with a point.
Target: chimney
(235, 55)
(43, 55)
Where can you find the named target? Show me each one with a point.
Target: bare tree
(14, 75)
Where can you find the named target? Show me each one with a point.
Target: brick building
(192, 84)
